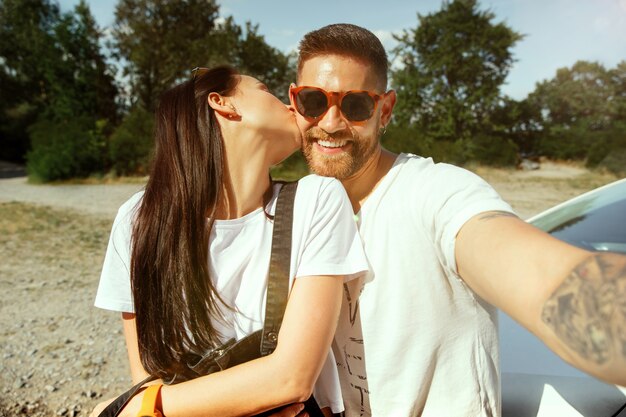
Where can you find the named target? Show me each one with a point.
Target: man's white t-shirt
(324, 242)
(418, 341)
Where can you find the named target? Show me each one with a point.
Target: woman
(217, 136)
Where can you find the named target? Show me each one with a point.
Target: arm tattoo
(588, 310)
(493, 214)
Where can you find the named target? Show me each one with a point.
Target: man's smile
(331, 146)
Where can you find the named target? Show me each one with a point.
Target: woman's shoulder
(128, 209)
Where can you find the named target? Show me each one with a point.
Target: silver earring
(383, 130)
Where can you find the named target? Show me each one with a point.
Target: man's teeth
(328, 144)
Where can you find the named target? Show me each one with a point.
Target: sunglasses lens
(311, 102)
(357, 106)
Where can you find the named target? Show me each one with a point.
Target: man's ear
(389, 101)
(222, 105)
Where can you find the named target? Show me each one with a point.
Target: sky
(557, 33)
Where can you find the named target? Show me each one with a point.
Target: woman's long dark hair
(173, 294)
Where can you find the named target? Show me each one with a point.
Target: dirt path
(100, 199)
(531, 192)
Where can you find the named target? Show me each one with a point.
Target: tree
(68, 138)
(582, 92)
(55, 80)
(160, 42)
(86, 81)
(26, 52)
(579, 106)
(248, 52)
(453, 65)
(519, 122)
(618, 80)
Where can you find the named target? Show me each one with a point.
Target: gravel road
(60, 355)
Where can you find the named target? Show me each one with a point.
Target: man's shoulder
(420, 169)
(316, 184)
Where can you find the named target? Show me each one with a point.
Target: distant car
(535, 381)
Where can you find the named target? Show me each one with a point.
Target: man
(420, 336)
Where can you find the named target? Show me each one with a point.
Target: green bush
(608, 150)
(131, 144)
(409, 139)
(568, 143)
(493, 150)
(66, 149)
(615, 162)
(291, 169)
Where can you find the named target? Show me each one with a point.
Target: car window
(603, 229)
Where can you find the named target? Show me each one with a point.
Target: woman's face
(268, 119)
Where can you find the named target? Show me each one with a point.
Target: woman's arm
(286, 376)
(137, 372)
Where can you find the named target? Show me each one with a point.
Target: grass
(31, 233)
(95, 180)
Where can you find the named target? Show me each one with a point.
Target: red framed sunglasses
(314, 102)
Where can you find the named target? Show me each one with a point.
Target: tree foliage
(583, 113)
(26, 51)
(160, 42)
(131, 144)
(60, 84)
(248, 52)
(453, 65)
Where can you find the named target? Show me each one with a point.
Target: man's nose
(333, 120)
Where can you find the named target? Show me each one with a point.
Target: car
(535, 381)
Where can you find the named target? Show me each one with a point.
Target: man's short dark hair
(349, 40)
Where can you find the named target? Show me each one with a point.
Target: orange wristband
(148, 405)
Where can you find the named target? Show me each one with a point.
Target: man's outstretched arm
(572, 299)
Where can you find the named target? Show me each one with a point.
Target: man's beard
(343, 164)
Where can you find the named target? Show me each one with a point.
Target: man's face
(333, 145)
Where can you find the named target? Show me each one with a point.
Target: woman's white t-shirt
(325, 241)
